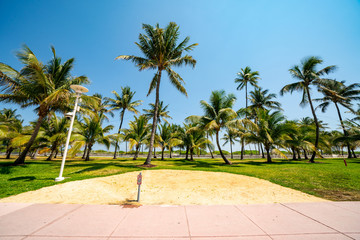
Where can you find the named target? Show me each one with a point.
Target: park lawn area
(328, 178)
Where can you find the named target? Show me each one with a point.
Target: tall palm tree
(47, 87)
(218, 114)
(339, 94)
(161, 53)
(11, 125)
(308, 76)
(262, 99)
(245, 77)
(123, 103)
(138, 133)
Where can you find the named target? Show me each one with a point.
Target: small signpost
(139, 181)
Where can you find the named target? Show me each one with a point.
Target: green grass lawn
(329, 178)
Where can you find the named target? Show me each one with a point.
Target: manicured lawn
(329, 178)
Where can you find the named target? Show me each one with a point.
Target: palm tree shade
(161, 52)
(307, 75)
(47, 87)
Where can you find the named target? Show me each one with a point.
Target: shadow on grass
(24, 178)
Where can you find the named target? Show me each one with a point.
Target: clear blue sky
(268, 36)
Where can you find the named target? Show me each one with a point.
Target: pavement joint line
(252, 221)
(187, 222)
(343, 207)
(53, 221)
(128, 211)
(317, 221)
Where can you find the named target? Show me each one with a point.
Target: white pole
(60, 178)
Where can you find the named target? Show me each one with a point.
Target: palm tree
(261, 99)
(197, 140)
(55, 131)
(339, 94)
(138, 133)
(161, 53)
(11, 125)
(245, 77)
(230, 137)
(168, 138)
(123, 103)
(47, 87)
(271, 131)
(218, 114)
(162, 115)
(92, 131)
(308, 76)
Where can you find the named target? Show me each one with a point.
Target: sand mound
(167, 187)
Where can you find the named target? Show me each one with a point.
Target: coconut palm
(168, 138)
(218, 113)
(262, 99)
(339, 94)
(47, 87)
(91, 131)
(162, 115)
(55, 131)
(161, 53)
(138, 133)
(197, 140)
(123, 102)
(245, 77)
(230, 137)
(271, 131)
(11, 126)
(308, 76)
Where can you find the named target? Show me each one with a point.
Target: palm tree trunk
(242, 149)
(8, 152)
(35, 153)
(85, 150)
(137, 149)
(53, 149)
(121, 122)
(162, 153)
(155, 119)
(88, 152)
(170, 151)
(191, 154)
(262, 151)
(268, 155)
(21, 158)
(221, 153)
(212, 156)
(345, 132)
(231, 150)
(305, 155)
(353, 153)
(298, 153)
(294, 153)
(316, 124)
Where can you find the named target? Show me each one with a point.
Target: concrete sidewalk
(327, 220)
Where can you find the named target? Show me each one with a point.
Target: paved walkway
(328, 220)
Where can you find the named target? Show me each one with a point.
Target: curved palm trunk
(8, 152)
(121, 122)
(212, 156)
(221, 153)
(137, 149)
(316, 124)
(155, 119)
(294, 153)
(191, 154)
(85, 150)
(162, 154)
(345, 132)
(22, 156)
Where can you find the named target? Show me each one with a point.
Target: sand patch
(167, 187)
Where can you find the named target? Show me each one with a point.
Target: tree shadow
(24, 178)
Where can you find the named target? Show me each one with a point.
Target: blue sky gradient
(268, 36)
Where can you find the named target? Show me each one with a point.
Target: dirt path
(167, 187)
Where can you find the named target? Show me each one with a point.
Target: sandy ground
(167, 187)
